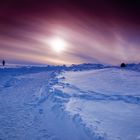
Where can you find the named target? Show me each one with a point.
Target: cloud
(97, 35)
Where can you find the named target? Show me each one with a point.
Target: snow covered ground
(106, 101)
(57, 103)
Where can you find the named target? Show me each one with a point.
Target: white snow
(108, 81)
(43, 103)
(29, 109)
(107, 101)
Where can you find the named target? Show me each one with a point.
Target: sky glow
(69, 32)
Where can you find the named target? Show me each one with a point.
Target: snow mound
(106, 101)
(77, 102)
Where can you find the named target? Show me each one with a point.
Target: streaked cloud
(90, 38)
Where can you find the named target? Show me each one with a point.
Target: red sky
(95, 31)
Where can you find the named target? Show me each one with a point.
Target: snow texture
(79, 102)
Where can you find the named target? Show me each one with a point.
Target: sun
(58, 44)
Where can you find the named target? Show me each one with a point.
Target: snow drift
(79, 102)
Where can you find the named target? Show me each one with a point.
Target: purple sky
(95, 31)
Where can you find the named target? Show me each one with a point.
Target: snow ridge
(111, 113)
(79, 102)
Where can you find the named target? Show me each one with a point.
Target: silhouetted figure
(123, 65)
(3, 62)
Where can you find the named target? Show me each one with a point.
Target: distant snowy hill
(77, 102)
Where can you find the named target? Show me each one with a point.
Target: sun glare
(58, 45)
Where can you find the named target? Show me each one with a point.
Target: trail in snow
(42, 104)
(28, 110)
